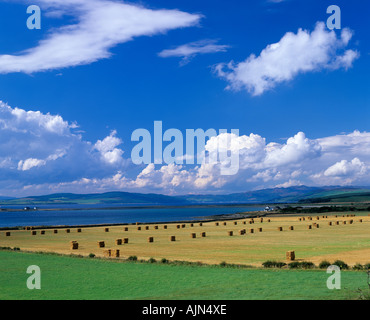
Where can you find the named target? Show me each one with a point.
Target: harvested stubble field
(347, 242)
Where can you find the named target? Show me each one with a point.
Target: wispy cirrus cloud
(192, 49)
(101, 25)
(294, 54)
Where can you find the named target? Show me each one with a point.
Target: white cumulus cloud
(294, 54)
(100, 25)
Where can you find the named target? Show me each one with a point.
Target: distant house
(26, 208)
(267, 209)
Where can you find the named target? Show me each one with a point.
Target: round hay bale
(230, 233)
(173, 238)
(291, 228)
(33, 233)
(203, 234)
(79, 230)
(280, 228)
(183, 226)
(55, 231)
(225, 223)
(337, 223)
(107, 253)
(290, 255)
(42, 232)
(68, 230)
(192, 225)
(360, 220)
(317, 226)
(147, 228)
(244, 222)
(309, 227)
(150, 239)
(101, 244)
(178, 226)
(259, 229)
(164, 227)
(125, 228)
(116, 253)
(155, 227)
(201, 224)
(344, 222)
(251, 230)
(139, 228)
(74, 245)
(217, 224)
(125, 240)
(118, 242)
(330, 223)
(242, 232)
(268, 220)
(7, 234)
(193, 235)
(106, 229)
(235, 223)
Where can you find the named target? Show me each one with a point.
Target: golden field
(347, 242)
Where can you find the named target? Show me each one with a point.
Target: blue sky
(71, 103)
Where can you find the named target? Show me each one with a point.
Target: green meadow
(74, 278)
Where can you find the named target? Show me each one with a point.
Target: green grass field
(64, 277)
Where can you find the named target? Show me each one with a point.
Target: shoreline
(213, 218)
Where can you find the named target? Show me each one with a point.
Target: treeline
(323, 209)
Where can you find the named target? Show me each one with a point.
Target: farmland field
(347, 242)
(71, 278)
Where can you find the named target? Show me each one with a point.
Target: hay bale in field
(172, 238)
(337, 223)
(251, 230)
(317, 226)
(115, 253)
(280, 228)
(244, 222)
(360, 220)
(147, 228)
(330, 223)
(164, 227)
(344, 222)
(217, 224)
(230, 233)
(118, 242)
(303, 218)
(235, 223)
(268, 220)
(192, 225)
(350, 221)
(125, 240)
(33, 233)
(7, 234)
(150, 239)
(68, 230)
(242, 232)
(290, 255)
(309, 227)
(42, 232)
(299, 219)
(250, 222)
(200, 224)
(183, 226)
(74, 245)
(101, 244)
(291, 228)
(155, 227)
(79, 230)
(225, 223)
(55, 231)
(107, 253)
(125, 228)
(203, 234)
(259, 229)
(317, 218)
(178, 226)
(139, 228)
(261, 220)
(193, 235)
(106, 229)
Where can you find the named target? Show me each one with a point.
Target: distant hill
(99, 198)
(298, 194)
